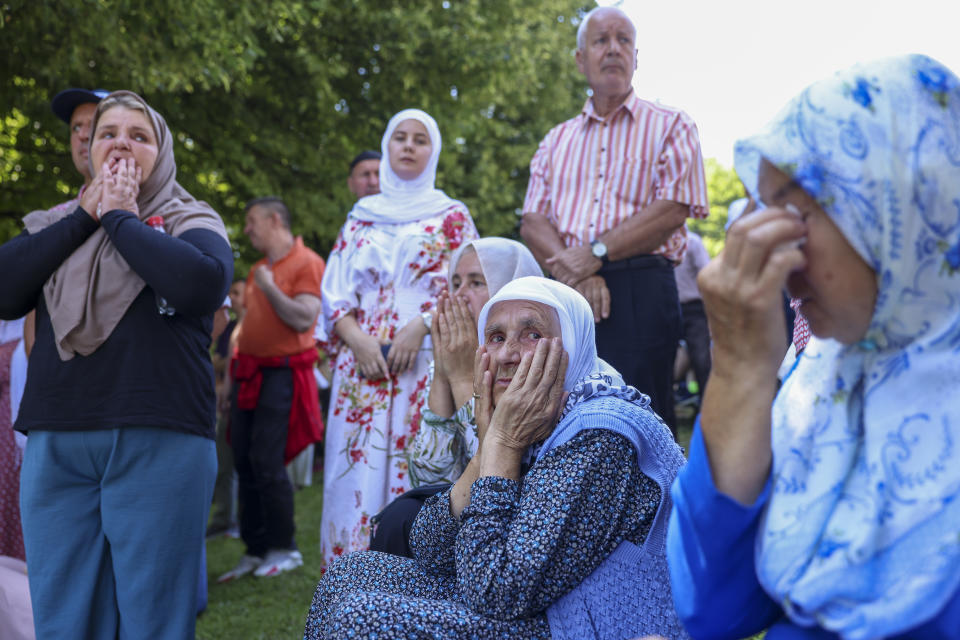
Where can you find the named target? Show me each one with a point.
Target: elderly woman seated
(556, 527)
(446, 437)
(836, 513)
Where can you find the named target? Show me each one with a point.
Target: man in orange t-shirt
(275, 412)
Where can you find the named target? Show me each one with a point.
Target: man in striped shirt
(609, 194)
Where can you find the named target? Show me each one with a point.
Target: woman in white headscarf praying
(556, 528)
(380, 286)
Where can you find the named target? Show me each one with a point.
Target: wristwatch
(599, 250)
(427, 318)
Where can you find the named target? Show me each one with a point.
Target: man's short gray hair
(582, 29)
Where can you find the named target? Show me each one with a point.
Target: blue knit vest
(629, 594)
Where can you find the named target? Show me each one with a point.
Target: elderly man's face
(609, 55)
(80, 123)
(513, 328)
(364, 179)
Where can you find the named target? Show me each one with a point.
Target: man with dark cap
(76, 107)
(364, 177)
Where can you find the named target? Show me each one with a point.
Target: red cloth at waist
(306, 424)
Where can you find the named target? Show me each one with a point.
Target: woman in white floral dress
(385, 272)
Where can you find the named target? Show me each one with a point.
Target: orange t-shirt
(262, 333)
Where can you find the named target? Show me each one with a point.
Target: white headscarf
(862, 532)
(402, 200)
(576, 323)
(501, 260)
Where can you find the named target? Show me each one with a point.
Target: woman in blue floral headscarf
(836, 514)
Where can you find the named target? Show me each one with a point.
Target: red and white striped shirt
(592, 173)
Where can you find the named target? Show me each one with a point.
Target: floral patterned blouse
(443, 446)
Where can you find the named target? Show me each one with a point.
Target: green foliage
(275, 97)
(723, 187)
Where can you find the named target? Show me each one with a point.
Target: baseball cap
(364, 155)
(69, 99)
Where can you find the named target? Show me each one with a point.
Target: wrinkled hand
(742, 289)
(595, 290)
(92, 195)
(528, 409)
(482, 391)
(457, 337)
(370, 362)
(572, 265)
(263, 277)
(406, 346)
(121, 186)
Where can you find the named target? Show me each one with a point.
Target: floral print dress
(386, 274)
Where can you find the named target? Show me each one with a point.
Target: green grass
(264, 608)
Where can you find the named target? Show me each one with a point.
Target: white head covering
(576, 322)
(860, 535)
(501, 260)
(402, 200)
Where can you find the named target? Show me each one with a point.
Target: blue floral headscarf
(862, 533)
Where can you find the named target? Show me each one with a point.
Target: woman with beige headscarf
(119, 400)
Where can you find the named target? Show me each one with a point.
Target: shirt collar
(631, 105)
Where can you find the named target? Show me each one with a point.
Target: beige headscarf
(93, 288)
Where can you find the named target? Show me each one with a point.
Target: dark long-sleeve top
(518, 547)
(153, 370)
(710, 548)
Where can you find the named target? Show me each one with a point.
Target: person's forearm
(462, 391)
(735, 420)
(349, 331)
(440, 400)
(460, 492)
(192, 271)
(541, 237)
(298, 313)
(33, 257)
(499, 460)
(645, 231)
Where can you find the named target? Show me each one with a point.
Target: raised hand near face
(92, 195)
(527, 411)
(482, 391)
(121, 185)
(458, 337)
(742, 289)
